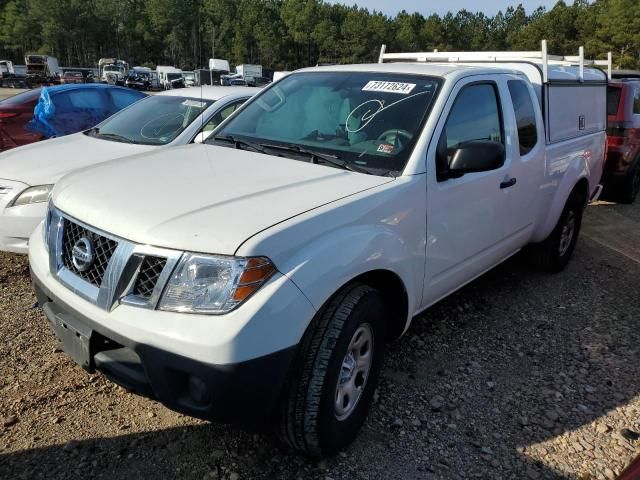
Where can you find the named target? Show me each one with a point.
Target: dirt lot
(519, 375)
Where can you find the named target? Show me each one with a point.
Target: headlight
(214, 284)
(37, 194)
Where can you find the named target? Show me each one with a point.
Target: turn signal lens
(256, 274)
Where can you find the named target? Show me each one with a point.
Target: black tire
(308, 419)
(631, 185)
(552, 254)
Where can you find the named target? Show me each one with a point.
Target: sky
(427, 7)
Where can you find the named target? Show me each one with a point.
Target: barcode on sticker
(389, 87)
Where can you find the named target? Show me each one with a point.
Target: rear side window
(85, 99)
(613, 100)
(636, 103)
(525, 115)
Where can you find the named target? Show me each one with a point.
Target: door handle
(508, 183)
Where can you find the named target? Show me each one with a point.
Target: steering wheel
(396, 132)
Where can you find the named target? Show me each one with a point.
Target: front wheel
(555, 251)
(335, 373)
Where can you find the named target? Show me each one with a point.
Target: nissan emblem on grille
(82, 254)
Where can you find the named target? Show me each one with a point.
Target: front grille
(4, 190)
(148, 276)
(103, 248)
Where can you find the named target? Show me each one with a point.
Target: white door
(466, 216)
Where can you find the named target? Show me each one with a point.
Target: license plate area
(75, 339)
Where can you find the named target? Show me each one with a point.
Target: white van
(170, 77)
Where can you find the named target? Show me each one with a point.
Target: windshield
(113, 68)
(368, 120)
(156, 120)
(189, 76)
(174, 76)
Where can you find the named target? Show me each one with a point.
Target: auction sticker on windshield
(193, 103)
(389, 87)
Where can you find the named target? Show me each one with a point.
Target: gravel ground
(519, 375)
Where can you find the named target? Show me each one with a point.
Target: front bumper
(17, 224)
(227, 368)
(243, 393)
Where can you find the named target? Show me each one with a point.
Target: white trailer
(249, 72)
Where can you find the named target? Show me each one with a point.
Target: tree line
(289, 34)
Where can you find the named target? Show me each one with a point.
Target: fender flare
(343, 255)
(577, 172)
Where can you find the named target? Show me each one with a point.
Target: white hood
(45, 162)
(201, 198)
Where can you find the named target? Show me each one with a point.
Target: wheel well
(582, 189)
(395, 296)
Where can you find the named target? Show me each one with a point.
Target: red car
(59, 110)
(621, 176)
(72, 77)
(15, 113)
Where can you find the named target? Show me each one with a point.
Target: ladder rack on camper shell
(533, 57)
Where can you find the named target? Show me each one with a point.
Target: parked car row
(167, 119)
(45, 70)
(247, 259)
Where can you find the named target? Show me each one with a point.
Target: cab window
(525, 115)
(474, 123)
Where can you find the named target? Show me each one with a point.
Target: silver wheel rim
(354, 372)
(568, 230)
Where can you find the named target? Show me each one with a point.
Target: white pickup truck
(259, 277)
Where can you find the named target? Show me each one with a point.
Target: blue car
(66, 109)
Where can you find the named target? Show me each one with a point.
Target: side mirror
(471, 156)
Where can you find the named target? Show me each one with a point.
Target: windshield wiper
(315, 156)
(239, 143)
(95, 131)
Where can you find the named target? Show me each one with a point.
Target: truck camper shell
(571, 91)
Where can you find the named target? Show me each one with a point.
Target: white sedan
(174, 117)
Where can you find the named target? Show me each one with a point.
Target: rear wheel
(335, 373)
(631, 185)
(555, 251)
